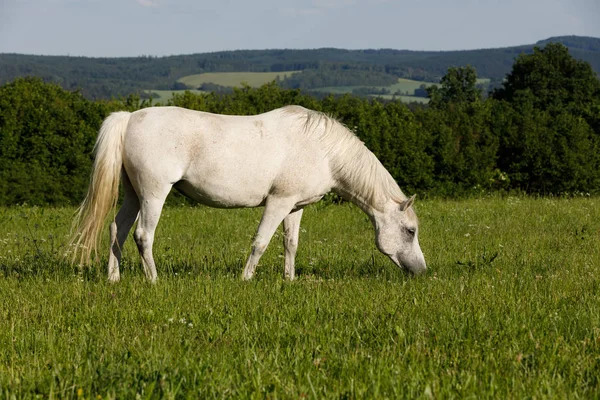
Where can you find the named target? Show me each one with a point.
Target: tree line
(538, 133)
(106, 78)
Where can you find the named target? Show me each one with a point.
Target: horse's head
(397, 235)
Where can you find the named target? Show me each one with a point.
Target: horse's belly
(221, 195)
(231, 175)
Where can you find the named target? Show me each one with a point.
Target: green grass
(234, 79)
(509, 308)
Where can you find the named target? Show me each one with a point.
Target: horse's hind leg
(276, 209)
(150, 209)
(291, 231)
(120, 228)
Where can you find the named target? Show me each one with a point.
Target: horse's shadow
(132, 267)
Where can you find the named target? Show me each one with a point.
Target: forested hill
(112, 77)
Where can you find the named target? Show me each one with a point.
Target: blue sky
(117, 28)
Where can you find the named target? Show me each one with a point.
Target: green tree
(544, 153)
(546, 118)
(556, 81)
(462, 146)
(46, 139)
(459, 85)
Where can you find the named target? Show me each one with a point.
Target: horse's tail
(103, 191)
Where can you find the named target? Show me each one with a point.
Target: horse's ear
(407, 203)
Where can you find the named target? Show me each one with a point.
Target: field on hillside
(255, 79)
(234, 79)
(508, 309)
(406, 86)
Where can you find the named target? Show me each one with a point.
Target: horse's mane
(352, 163)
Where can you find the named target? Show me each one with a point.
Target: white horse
(283, 160)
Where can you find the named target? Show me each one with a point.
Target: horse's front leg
(276, 209)
(291, 231)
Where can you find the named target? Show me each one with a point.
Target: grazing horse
(283, 160)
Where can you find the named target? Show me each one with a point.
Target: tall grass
(509, 308)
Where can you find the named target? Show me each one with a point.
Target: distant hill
(112, 77)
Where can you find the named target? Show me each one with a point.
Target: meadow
(256, 79)
(227, 79)
(234, 79)
(508, 309)
(406, 86)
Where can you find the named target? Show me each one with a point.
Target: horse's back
(225, 160)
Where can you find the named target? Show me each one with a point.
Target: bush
(46, 139)
(538, 133)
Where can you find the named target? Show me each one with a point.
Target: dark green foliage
(421, 91)
(546, 118)
(538, 133)
(556, 81)
(542, 153)
(245, 100)
(342, 76)
(458, 86)
(462, 146)
(213, 87)
(106, 78)
(97, 78)
(390, 131)
(46, 139)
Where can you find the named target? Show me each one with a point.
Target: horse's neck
(355, 198)
(358, 175)
(370, 192)
(368, 199)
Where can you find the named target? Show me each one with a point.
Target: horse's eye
(411, 231)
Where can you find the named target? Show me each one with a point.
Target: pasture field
(406, 86)
(234, 79)
(508, 309)
(256, 79)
